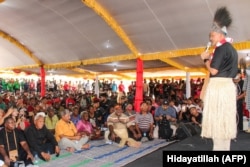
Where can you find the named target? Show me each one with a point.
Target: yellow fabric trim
(91, 61)
(20, 46)
(117, 74)
(81, 71)
(95, 6)
(189, 51)
(149, 56)
(22, 67)
(175, 64)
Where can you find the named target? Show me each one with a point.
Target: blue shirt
(169, 111)
(75, 119)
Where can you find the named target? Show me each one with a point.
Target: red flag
(139, 84)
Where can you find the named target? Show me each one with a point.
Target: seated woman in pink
(85, 126)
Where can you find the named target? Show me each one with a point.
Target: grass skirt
(219, 113)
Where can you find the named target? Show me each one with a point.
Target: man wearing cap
(219, 113)
(165, 111)
(70, 101)
(40, 139)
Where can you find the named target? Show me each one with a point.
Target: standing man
(219, 114)
(246, 90)
(121, 91)
(151, 86)
(145, 88)
(240, 99)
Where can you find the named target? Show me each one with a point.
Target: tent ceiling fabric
(90, 37)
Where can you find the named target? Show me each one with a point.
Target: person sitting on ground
(131, 114)
(22, 122)
(169, 113)
(14, 115)
(51, 119)
(196, 117)
(75, 116)
(40, 139)
(99, 113)
(118, 123)
(144, 123)
(84, 126)
(13, 145)
(4, 115)
(67, 136)
(105, 104)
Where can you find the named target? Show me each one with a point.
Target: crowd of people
(68, 119)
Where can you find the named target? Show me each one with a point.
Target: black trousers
(46, 147)
(22, 156)
(240, 114)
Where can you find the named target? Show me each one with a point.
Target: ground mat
(101, 154)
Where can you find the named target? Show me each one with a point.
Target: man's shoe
(144, 139)
(248, 130)
(173, 138)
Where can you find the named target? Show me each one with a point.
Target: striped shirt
(144, 120)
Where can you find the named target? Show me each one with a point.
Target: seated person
(99, 113)
(166, 111)
(22, 122)
(67, 136)
(84, 126)
(144, 123)
(184, 114)
(118, 123)
(13, 145)
(51, 119)
(131, 114)
(40, 139)
(196, 116)
(4, 115)
(75, 116)
(92, 116)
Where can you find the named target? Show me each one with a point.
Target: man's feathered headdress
(222, 20)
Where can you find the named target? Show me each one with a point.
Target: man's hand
(151, 134)
(30, 156)
(112, 136)
(45, 156)
(57, 150)
(77, 137)
(137, 136)
(205, 55)
(168, 117)
(7, 160)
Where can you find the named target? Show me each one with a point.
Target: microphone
(208, 46)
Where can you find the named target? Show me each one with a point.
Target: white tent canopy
(90, 37)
